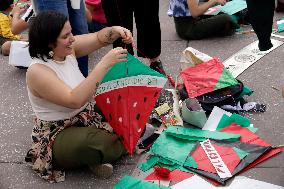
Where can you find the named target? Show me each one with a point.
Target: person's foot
(264, 46)
(158, 67)
(102, 170)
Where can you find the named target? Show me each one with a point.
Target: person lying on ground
(68, 132)
(191, 23)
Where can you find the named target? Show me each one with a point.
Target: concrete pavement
(16, 115)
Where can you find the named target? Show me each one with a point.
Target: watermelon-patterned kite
(127, 96)
(207, 77)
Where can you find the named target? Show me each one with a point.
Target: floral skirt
(44, 134)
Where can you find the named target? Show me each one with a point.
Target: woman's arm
(44, 83)
(199, 9)
(89, 10)
(88, 43)
(18, 24)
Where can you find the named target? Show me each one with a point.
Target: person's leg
(261, 14)
(79, 26)
(55, 5)
(75, 147)
(219, 25)
(149, 32)
(5, 48)
(119, 13)
(148, 28)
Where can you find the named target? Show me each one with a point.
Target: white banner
(247, 56)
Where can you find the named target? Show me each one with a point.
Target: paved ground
(16, 115)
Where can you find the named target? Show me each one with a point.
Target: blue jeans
(76, 17)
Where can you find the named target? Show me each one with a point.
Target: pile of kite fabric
(217, 155)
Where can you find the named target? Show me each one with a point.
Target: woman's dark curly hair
(5, 4)
(44, 31)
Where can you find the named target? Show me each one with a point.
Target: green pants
(82, 146)
(204, 26)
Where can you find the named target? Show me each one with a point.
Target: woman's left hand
(124, 33)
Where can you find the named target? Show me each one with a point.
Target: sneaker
(158, 67)
(102, 170)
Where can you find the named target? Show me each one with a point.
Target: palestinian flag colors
(221, 161)
(127, 96)
(207, 77)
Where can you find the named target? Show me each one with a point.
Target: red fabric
(174, 176)
(228, 155)
(127, 110)
(202, 78)
(98, 13)
(248, 136)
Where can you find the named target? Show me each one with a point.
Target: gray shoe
(102, 170)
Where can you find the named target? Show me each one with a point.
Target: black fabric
(226, 96)
(146, 13)
(204, 26)
(261, 14)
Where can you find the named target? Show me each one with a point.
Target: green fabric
(132, 67)
(240, 153)
(149, 163)
(252, 129)
(171, 148)
(226, 79)
(235, 19)
(234, 6)
(200, 135)
(190, 162)
(234, 118)
(246, 91)
(80, 146)
(129, 182)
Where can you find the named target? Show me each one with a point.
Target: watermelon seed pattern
(108, 101)
(119, 98)
(138, 116)
(145, 99)
(134, 104)
(120, 119)
(110, 117)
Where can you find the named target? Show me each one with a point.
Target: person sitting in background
(18, 24)
(190, 22)
(95, 15)
(68, 132)
(6, 34)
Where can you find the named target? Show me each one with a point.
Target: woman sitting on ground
(68, 133)
(190, 22)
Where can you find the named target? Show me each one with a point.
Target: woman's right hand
(114, 56)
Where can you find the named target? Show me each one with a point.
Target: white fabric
(19, 54)
(70, 74)
(75, 4)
